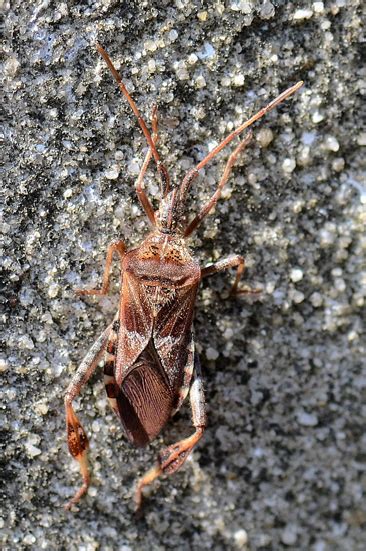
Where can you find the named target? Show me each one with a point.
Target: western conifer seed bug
(150, 363)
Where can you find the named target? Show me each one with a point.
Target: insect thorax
(162, 260)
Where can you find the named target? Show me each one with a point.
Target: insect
(151, 364)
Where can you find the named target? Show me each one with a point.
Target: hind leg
(172, 458)
(76, 437)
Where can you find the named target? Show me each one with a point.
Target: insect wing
(173, 338)
(136, 324)
(153, 368)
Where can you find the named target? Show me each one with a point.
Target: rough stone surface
(282, 461)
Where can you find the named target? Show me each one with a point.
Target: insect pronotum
(151, 364)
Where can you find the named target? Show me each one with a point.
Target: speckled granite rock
(283, 458)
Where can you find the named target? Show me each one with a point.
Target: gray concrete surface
(283, 460)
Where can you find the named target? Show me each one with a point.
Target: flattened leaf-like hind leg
(172, 458)
(234, 261)
(76, 436)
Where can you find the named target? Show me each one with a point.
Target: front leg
(116, 246)
(231, 262)
(172, 458)
(76, 437)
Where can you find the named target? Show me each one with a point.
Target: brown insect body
(151, 363)
(154, 365)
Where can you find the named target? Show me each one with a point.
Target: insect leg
(143, 198)
(116, 246)
(76, 436)
(216, 196)
(172, 458)
(231, 262)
